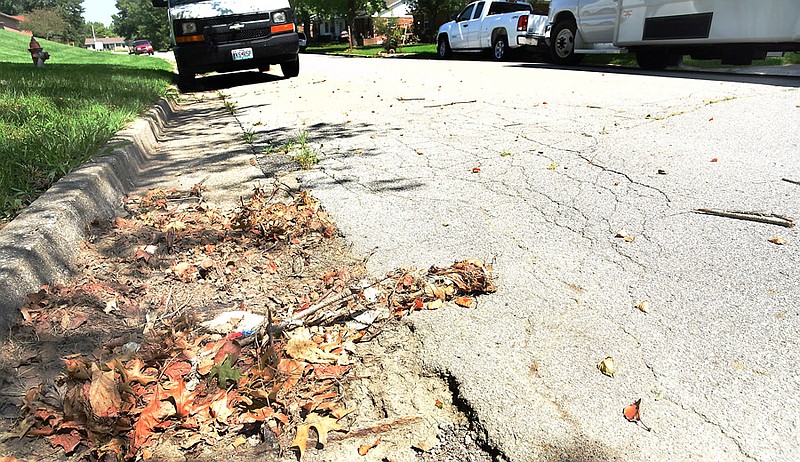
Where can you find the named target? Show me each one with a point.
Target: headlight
(279, 17)
(189, 28)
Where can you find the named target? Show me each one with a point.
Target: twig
(410, 99)
(791, 181)
(380, 428)
(454, 103)
(768, 218)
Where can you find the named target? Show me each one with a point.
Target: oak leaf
(365, 448)
(182, 397)
(322, 424)
(225, 372)
(219, 407)
(135, 373)
(103, 393)
(302, 347)
(156, 412)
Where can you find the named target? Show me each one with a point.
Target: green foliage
(225, 372)
(100, 29)
(389, 27)
(55, 118)
(138, 19)
(70, 12)
(46, 23)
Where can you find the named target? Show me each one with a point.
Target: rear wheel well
(498, 32)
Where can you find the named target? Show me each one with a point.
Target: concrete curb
(41, 244)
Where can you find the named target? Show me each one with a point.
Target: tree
(46, 23)
(72, 12)
(347, 9)
(100, 29)
(435, 13)
(139, 19)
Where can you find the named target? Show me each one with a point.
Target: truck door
(460, 38)
(474, 29)
(596, 20)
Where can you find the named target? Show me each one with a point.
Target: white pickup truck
(492, 25)
(660, 32)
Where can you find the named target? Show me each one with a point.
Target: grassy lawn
(422, 51)
(54, 118)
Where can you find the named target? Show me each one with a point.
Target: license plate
(242, 53)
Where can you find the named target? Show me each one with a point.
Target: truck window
(505, 7)
(466, 14)
(478, 10)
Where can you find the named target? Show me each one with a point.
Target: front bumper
(199, 58)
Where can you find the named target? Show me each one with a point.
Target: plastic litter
(234, 324)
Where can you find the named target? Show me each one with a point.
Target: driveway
(579, 186)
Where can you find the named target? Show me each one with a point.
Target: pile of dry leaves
(202, 326)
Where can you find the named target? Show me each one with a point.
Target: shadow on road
(215, 82)
(709, 75)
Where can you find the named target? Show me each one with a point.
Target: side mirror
(159, 3)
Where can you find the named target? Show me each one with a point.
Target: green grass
(53, 119)
(419, 50)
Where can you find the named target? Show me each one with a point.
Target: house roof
(90, 41)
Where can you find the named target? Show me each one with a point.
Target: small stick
(380, 428)
(454, 103)
(791, 181)
(768, 218)
(410, 99)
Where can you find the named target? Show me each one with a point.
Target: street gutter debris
(760, 217)
(217, 338)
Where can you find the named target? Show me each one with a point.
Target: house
(12, 23)
(363, 27)
(106, 44)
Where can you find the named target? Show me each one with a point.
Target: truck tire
(443, 47)
(185, 79)
(291, 68)
(562, 43)
(656, 60)
(500, 48)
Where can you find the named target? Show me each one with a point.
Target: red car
(140, 47)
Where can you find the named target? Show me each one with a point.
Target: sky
(99, 10)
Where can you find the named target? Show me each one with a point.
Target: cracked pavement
(568, 159)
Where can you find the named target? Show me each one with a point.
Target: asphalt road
(568, 160)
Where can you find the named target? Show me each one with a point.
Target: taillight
(522, 23)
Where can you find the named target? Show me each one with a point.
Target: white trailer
(660, 32)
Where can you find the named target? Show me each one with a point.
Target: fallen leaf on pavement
(644, 306)
(777, 240)
(714, 159)
(476, 170)
(466, 302)
(607, 366)
(631, 411)
(552, 166)
(365, 448)
(302, 347)
(322, 424)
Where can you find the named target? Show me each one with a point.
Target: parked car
(302, 40)
(498, 26)
(140, 47)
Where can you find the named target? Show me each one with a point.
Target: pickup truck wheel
(500, 48)
(291, 68)
(443, 47)
(562, 43)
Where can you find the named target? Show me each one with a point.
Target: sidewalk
(170, 147)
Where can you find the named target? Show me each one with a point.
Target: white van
(661, 31)
(231, 35)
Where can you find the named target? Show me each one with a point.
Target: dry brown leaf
(466, 302)
(134, 373)
(301, 347)
(68, 441)
(777, 240)
(156, 412)
(103, 393)
(322, 424)
(644, 306)
(365, 448)
(219, 407)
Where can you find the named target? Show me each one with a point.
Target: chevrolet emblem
(237, 26)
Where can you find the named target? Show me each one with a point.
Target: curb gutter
(41, 244)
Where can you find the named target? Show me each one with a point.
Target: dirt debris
(132, 360)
